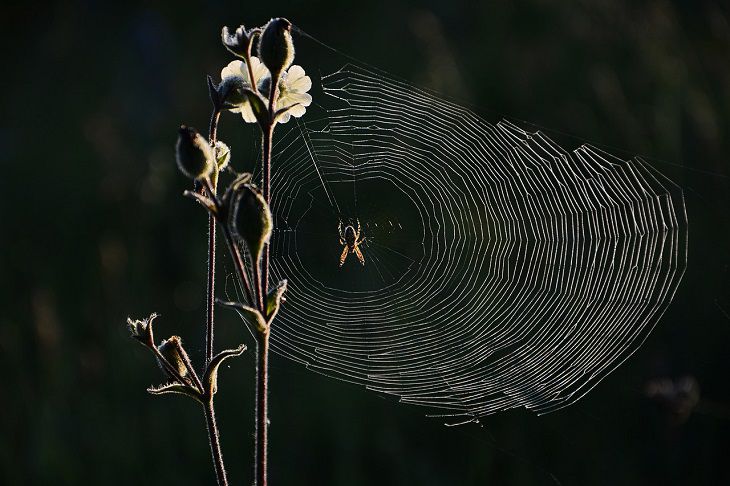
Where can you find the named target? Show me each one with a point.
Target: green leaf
(259, 106)
(210, 380)
(222, 155)
(213, 92)
(178, 389)
(205, 201)
(274, 300)
(248, 314)
(280, 112)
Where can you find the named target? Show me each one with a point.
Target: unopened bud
(172, 350)
(250, 218)
(276, 48)
(232, 92)
(194, 154)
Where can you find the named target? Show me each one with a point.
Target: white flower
(238, 70)
(293, 87)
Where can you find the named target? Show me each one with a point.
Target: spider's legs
(358, 227)
(358, 253)
(343, 257)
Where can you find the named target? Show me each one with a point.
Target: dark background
(93, 228)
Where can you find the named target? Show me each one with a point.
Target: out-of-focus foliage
(94, 228)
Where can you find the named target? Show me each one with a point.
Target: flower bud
(232, 92)
(276, 48)
(239, 42)
(250, 218)
(194, 154)
(172, 350)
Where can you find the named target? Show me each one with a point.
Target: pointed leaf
(222, 155)
(205, 201)
(210, 380)
(274, 300)
(280, 112)
(248, 314)
(213, 92)
(259, 106)
(177, 389)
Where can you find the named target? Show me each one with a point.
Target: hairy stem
(213, 128)
(253, 81)
(210, 289)
(262, 347)
(262, 407)
(215, 446)
(260, 297)
(266, 192)
(239, 264)
(210, 296)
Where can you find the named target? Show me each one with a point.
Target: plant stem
(266, 192)
(210, 303)
(215, 447)
(210, 289)
(262, 345)
(262, 408)
(213, 129)
(260, 298)
(253, 81)
(213, 435)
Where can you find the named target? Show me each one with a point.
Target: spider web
(501, 271)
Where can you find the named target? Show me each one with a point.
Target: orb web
(501, 270)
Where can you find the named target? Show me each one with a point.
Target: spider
(351, 240)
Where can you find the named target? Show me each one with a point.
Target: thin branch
(260, 298)
(262, 347)
(250, 69)
(266, 190)
(213, 128)
(262, 408)
(215, 446)
(210, 288)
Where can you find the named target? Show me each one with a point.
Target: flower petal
(297, 111)
(297, 80)
(303, 99)
(247, 113)
(234, 69)
(259, 70)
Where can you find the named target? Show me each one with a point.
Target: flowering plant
(267, 90)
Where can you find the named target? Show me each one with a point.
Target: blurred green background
(94, 229)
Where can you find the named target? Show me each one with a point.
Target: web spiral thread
(501, 270)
